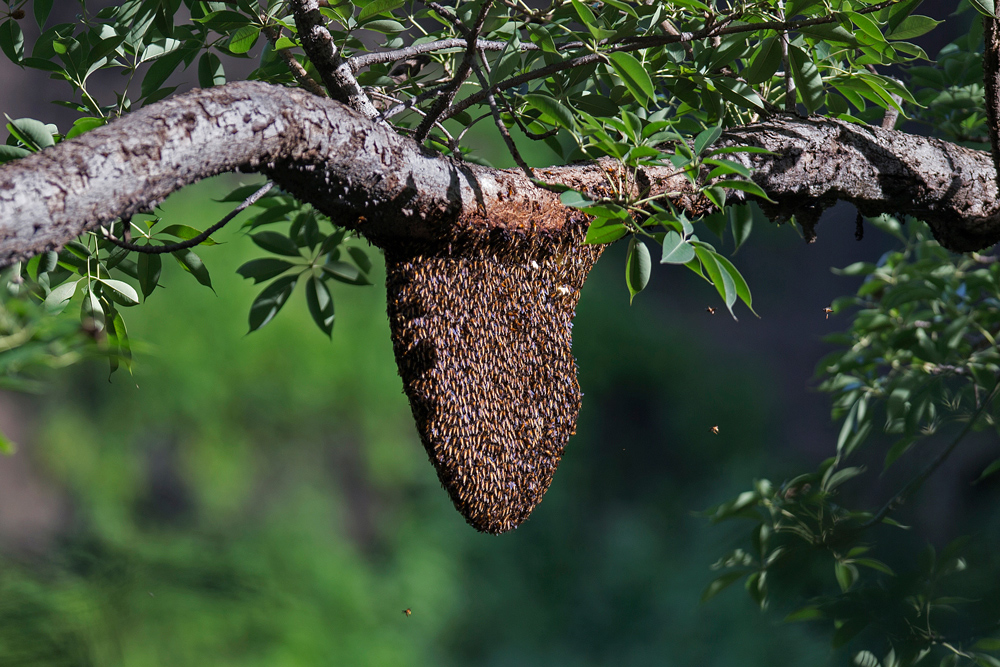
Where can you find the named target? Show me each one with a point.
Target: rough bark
(388, 187)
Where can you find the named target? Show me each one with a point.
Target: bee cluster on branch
(482, 333)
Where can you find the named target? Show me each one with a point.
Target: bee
(710, 310)
(714, 430)
(828, 310)
(407, 612)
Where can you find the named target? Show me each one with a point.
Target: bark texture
(389, 188)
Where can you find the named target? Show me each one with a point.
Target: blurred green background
(265, 499)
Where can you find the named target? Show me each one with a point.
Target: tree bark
(391, 189)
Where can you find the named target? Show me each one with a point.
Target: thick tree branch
(390, 189)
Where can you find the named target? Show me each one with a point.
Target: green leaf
(149, 267)
(244, 38)
(83, 125)
(637, 267)
(741, 222)
(867, 25)
(602, 230)
(587, 17)
(42, 10)
(360, 258)
(746, 186)
(913, 26)
(264, 269)
(846, 575)
(378, 7)
(987, 644)
(808, 81)
(633, 75)
(59, 297)
(721, 583)
(718, 276)
(345, 273)
(186, 232)
(270, 300)
(33, 133)
(804, 614)
(841, 476)
(765, 61)
(990, 469)
(320, 304)
(192, 264)
(875, 565)
(742, 289)
(120, 292)
(553, 109)
(385, 26)
(211, 71)
(985, 7)
(12, 40)
(277, 243)
(575, 199)
(676, 250)
(8, 153)
(706, 138)
(738, 93)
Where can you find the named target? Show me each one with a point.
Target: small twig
(190, 243)
(504, 132)
(787, 65)
(368, 59)
(294, 66)
(917, 481)
(991, 83)
(464, 69)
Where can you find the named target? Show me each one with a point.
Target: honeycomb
(482, 334)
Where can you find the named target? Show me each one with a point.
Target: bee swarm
(481, 330)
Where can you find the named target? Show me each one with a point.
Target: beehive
(481, 330)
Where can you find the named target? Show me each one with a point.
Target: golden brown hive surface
(481, 331)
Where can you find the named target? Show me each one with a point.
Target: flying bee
(714, 430)
(828, 310)
(407, 611)
(710, 310)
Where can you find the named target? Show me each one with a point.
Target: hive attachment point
(481, 330)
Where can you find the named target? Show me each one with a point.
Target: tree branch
(334, 70)
(991, 80)
(464, 69)
(897, 500)
(387, 187)
(368, 59)
(298, 71)
(192, 242)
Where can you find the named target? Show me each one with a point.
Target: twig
(368, 59)
(436, 112)
(991, 80)
(322, 51)
(917, 481)
(507, 139)
(190, 243)
(294, 66)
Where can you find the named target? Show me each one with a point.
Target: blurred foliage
(920, 356)
(265, 499)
